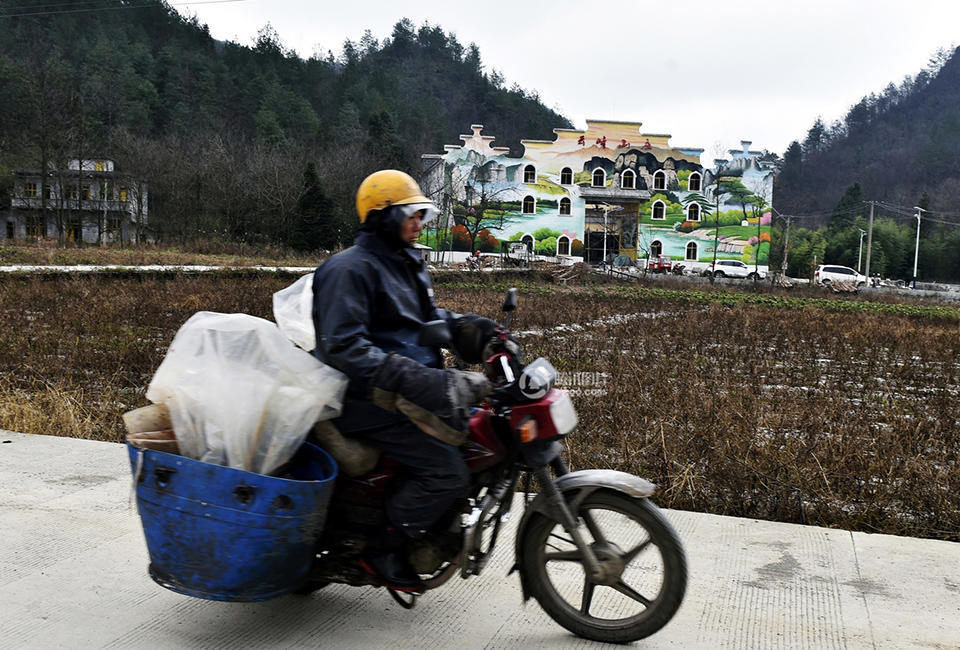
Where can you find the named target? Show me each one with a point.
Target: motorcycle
(595, 527)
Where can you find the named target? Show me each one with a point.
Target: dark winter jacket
(369, 301)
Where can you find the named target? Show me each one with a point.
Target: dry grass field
(212, 253)
(832, 412)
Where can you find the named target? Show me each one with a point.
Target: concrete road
(73, 573)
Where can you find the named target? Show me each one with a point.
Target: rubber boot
(385, 558)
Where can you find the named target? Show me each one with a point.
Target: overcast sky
(709, 73)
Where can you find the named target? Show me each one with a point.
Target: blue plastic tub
(225, 534)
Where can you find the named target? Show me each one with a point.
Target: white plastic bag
(293, 311)
(240, 393)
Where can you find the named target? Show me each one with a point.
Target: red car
(660, 264)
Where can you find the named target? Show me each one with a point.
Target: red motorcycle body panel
(484, 448)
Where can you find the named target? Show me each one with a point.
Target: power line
(128, 6)
(34, 7)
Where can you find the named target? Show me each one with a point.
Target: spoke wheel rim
(586, 601)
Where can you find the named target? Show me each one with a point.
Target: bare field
(818, 413)
(210, 253)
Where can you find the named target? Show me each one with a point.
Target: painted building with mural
(611, 191)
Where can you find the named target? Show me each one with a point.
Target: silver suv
(734, 269)
(827, 273)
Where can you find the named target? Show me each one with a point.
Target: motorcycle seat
(354, 457)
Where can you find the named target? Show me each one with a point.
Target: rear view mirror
(435, 334)
(510, 303)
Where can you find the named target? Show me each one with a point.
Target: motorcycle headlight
(537, 379)
(563, 414)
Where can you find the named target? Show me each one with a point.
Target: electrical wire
(151, 5)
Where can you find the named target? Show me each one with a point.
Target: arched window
(658, 213)
(693, 212)
(528, 240)
(563, 245)
(694, 182)
(566, 176)
(691, 253)
(599, 177)
(628, 179)
(656, 248)
(564, 205)
(529, 174)
(659, 180)
(529, 204)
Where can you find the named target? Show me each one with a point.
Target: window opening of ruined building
(659, 180)
(564, 205)
(74, 228)
(529, 205)
(563, 245)
(599, 178)
(72, 192)
(529, 174)
(659, 211)
(11, 229)
(693, 183)
(566, 176)
(85, 191)
(693, 212)
(656, 248)
(35, 225)
(691, 253)
(29, 190)
(99, 166)
(50, 193)
(628, 180)
(113, 222)
(123, 195)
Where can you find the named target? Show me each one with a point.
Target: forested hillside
(898, 145)
(900, 148)
(248, 143)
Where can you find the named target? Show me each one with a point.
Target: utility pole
(860, 249)
(716, 232)
(869, 240)
(786, 249)
(916, 251)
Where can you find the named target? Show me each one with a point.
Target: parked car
(827, 273)
(660, 264)
(734, 269)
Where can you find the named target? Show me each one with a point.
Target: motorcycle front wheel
(646, 569)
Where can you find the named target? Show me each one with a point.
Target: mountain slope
(224, 132)
(898, 145)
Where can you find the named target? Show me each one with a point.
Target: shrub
(461, 238)
(486, 242)
(547, 246)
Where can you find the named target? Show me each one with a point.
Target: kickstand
(406, 604)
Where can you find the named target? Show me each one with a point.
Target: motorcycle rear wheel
(633, 539)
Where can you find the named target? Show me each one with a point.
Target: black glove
(471, 333)
(428, 395)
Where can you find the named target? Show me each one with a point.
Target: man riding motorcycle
(370, 302)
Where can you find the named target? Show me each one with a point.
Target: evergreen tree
(848, 208)
(315, 225)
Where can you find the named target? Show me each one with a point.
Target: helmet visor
(428, 211)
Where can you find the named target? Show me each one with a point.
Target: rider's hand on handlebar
(505, 343)
(470, 335)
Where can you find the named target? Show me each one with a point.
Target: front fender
(577, 486)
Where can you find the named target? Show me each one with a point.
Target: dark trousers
(437, 475)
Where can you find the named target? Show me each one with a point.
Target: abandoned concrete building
(88, 201)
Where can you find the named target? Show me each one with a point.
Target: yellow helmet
(388, 187)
